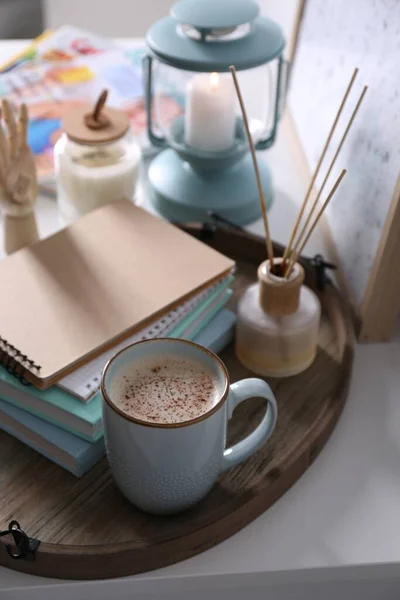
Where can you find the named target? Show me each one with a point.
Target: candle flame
(214, 80)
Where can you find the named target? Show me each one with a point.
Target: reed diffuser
(278, 317)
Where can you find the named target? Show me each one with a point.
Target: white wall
(337, 36)
(283, 12)
(114, 18)
(132, 18)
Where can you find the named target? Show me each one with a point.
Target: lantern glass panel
(170, 89)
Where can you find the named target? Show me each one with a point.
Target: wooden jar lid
(95, 125)
(279, 297)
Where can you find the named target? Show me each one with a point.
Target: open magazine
(68, 67)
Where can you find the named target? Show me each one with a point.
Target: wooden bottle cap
(279, 297)
(95, 125)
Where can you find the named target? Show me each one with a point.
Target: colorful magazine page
(63, 44)
(63, 69)
(52, 90)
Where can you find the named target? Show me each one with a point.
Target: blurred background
(21, 19)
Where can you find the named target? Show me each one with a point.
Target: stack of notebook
(116, 276)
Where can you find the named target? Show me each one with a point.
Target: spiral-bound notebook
(72, 296)
(186, 320)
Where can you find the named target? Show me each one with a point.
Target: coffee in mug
(166, 406)
(165, 389)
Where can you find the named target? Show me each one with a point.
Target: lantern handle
(156, 140)
(280, 100)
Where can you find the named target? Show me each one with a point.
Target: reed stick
(317, 168)
(296, 255)
(270, 252)
(346, 131)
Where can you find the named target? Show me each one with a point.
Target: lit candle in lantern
(210, 112)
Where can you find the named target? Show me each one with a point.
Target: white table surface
(343, 512)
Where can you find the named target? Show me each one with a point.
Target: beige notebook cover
(72, 295)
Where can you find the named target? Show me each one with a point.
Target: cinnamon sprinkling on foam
(165, 390)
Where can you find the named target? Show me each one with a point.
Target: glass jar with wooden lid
(96, 160)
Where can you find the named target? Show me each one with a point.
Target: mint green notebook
(54, 406)
(201, 311)
(202, 321)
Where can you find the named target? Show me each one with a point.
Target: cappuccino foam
(165, 390)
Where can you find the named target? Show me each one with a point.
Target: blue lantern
(192, 112)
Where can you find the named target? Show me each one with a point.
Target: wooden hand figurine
(18, 181)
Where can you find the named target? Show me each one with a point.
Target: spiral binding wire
(15, 362)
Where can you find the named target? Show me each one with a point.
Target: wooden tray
(86, 528)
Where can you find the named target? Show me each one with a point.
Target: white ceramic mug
(165, 468)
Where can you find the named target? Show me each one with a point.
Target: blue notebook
(219, 332)
(65, 449)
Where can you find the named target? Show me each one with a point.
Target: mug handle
(240, 391)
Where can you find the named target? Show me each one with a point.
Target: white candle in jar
(91, 176)
(210, 112)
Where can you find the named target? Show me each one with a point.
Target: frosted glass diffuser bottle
(278, 324)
